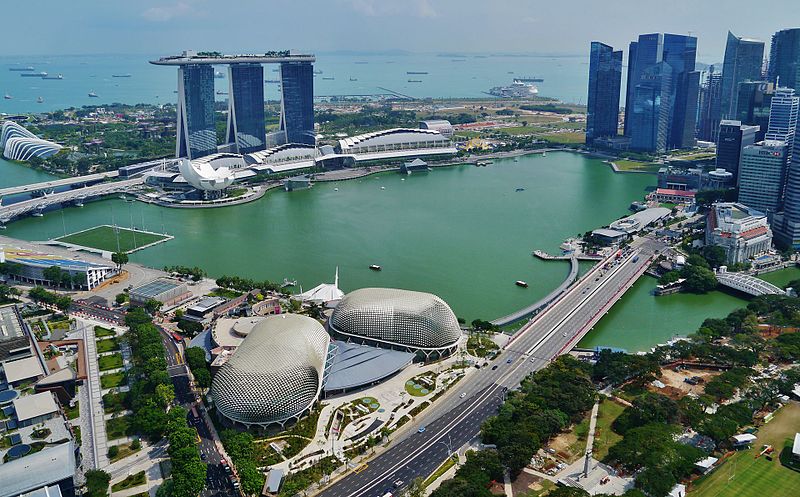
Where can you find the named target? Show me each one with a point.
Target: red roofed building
(672, 196)
(743, 232)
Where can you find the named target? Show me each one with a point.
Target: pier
(541, 254)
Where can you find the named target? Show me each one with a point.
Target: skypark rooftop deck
(191, 57)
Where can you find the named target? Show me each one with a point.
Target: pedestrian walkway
(96, 414)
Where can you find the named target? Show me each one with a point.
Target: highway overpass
(452, 421)
(56, 183)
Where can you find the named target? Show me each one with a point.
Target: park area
(113, 238)
(745, 475)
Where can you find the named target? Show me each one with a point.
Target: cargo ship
(517, 89)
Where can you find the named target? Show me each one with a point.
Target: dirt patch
(526, 482)
(675, 385)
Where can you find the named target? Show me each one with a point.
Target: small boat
(328, 78)
(523, 284)
(383, 188)
(37, 214)
(7, 96)
(516, 159)
(416, 72)
(220, 92)
(272, 81)
(57, 76)
(353, 79)
(21, 69)
(336, 189)
(317, 72)
(375, 267)
(120, 75)
(415, 81)
(544, 154)
(287, 282)
(219, 75)
(78, 203)
(39, 100)
(34, 74)
(92, 94)
(519, 189)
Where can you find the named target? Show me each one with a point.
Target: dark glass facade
(197, 135)
(743, 60)
(605, 76)
(633, 53)
(297, 116)
(733, 137)
(651, 108)
(708, 115)
(642, 54)
(246, 125)
(784, 58)
(753, 105)
(680, 53)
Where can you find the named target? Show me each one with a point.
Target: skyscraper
(605, 75)
(762, 174)
(645, 52)
(680, 52)
(632, 76)
(651, 108)
(708, 115)
(743, 59)
(246, 124)
(197, 134)
(783, 118)
(297, 105)
(784, 59)
(753, 105)
(787, 223)
(733, 137)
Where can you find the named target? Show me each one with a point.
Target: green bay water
(461, 232)
(12, 174)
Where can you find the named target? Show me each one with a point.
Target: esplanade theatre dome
(415, 321)
(276, 374)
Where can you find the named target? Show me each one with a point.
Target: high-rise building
(762, 173)
(196, 133)
(651, 109)
(784, 58)
(743, 60)
(645, 52)
(246, 122)
(733, 137)
(297, 105)
(632, 76)
(708, 115)
(787, 223)
(605, 75)
(753, 105)
(680, 52)
(783, 118)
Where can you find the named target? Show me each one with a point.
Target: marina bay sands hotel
(246, 129)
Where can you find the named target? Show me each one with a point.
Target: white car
(463, 394)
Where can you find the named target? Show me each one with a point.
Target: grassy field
(449, 463)
(111, 380)
(133, 480)
(112, 239)
(72, 412)
(522, 130)
(566, 137)
(107, 345)
(118, 427)
(604, 436)
(745, 476)
(633, 165)
(100, 332)
(107, 362)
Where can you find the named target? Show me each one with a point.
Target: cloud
(380, 8)
(168, 12)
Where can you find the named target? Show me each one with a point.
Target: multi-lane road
(456, 418)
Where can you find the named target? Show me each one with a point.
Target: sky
(432, 26)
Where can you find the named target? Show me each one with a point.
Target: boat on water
(120, 75)
(375, 267)
(361, 62)
(57, 76)
(34, 74)
(317, 72)
(272, 81)
(7, 96)
(92, 94)
(415, 81)
(353, 79)
(517, 89)
(520, 189)
(328, 78)
(416, 72)
(21, 69)
(78, 203)
(483, 163)
(516, 159)
(287, 283)
(37, 214)
(219, 75)
(520, 283)
(220, 92)
(39, 100)
(544, 154)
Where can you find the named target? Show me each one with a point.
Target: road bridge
(56, 183)
(453, 421)
(19, 209)
(747, 284)
(539, 305)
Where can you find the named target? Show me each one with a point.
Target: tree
(52, 274)
(568, 492)
(113, 451)
(165, 395)
(152, 306)
(120, 259)
(699, 279)
(715, 255)
(191, 328)
(202, 377)
(97, 482)
(416, 489)
(121, 298)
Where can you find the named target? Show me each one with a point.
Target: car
(477, 366)
(565, 333)
(532, 359)
(494, 367)
(203, 456)
(509, 361)
(463, 394)
(398, 483)
(421, 429)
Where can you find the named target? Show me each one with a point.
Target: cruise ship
(517, 89)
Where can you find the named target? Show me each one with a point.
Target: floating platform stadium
(107, 238)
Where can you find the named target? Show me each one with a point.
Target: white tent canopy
(323, 293)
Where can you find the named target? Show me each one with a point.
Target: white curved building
(276, 374)
(403, 319)
(20, 144)
(203, 175)
(392, 141)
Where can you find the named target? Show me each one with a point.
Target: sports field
(113, 238)
(745, 476)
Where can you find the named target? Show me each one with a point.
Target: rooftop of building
(38, 470)
(10, 325)
(23, 369)
(356, 365)
(156, 287)
(210, 58)
(670, 191)
(206, 304)
(32, 406)
(29, 258)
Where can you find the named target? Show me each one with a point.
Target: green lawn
(112, 380)
(118, 427)
(100, 332)
(112, 361)
(604, 436)
(114, 402)
(745, 476)
(522, 130)
(634, 165)
(72, 412)
(112, 239)
(133, 480)
(566, 137)
(107, 345)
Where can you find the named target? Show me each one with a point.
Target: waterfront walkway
(536, 306)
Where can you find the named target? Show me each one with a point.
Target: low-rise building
(443, 126)
(167, 291)
(14, 343)
(23, 370)
(201, 310)
(668, 195)
(48, 472)
(30, 267)
(35, 409)
(742, 232)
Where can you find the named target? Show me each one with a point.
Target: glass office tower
(733, 137)
(297, 105)
(605, 76)
(651, 108)
(743, 59)
(708, 120)
(784, 59)
(753, 105)
(680, 52)
(246, 124)
(645, 52)
(783, 114)
(197, 135)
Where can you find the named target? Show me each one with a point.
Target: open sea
(565, 78)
